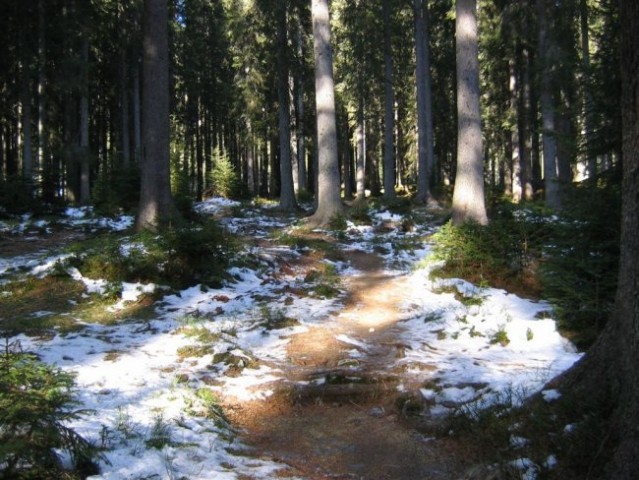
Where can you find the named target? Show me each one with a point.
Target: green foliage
(360, 214)
(224, 178)
(579, 271)
(337, 223)
(160, 434)
(503, 253)
(116, 190)
(178, 257)
(17, 196)
(36, 403)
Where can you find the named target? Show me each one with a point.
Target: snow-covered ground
(142, 386)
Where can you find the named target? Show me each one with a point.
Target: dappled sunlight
(307, 352)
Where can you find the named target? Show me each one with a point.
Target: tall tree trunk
(360, 148)
(608, 373)
(425, 148)
(547, 104)
(41, 151)
(516, 157)
(287, 189)
(390, 176)
(524, 126)
(125, 138)
(299, 113)
(85, 164)
(156, 207)
(27, 154)
(468, 195)
(329, 203)
(137, 116)
(591, 159)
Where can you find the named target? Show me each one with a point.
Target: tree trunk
(329, 203)
(468, 195)
(124, 111)
(390, 176)
(27, 155)
(425, 149)
(85, 164)
(287, 189)
(608, 373)
(137, 117)
(547, 104)
(156, 207)
(360, 149)
(591, 160)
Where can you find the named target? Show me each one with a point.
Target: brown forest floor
(355, 426)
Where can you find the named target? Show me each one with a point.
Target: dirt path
(341, 414)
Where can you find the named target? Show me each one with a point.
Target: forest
(319, 239)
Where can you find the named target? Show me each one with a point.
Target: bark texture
(468, 196)
(425, 150)
(156, 207)
(609, 370)
(287, 189)
(329, 203)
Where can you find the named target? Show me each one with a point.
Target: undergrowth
(37, 401)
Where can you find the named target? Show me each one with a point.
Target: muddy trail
(341, 412)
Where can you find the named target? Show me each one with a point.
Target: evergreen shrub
(36, 403)
(580, 264)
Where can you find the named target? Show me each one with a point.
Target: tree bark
(591, 160)
(425, 149)
(287, 189)
(329, 203)
(156, 207)
(85, 164)
(608, 372)
(390, 176)
(548, 121)
(468, 195)
(360, 149)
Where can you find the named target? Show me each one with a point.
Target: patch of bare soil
(341, 415)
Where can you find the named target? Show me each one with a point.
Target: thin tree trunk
(360, 147)
(329, 203)
(549, 131)
(390, 176)
(85, 165)
(591, 160)
(425, 148)
(299, 111)
(27, 154)
(468, 195)
(137, 117)
(124, 111)
(287, 188)
(515, 150)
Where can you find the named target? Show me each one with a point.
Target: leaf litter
(436, 339)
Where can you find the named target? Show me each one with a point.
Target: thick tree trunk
(468, 196)
(608, 373)
(425, 149)
(329, 203)
(287, 189)
(390, 176)
(156, 207)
